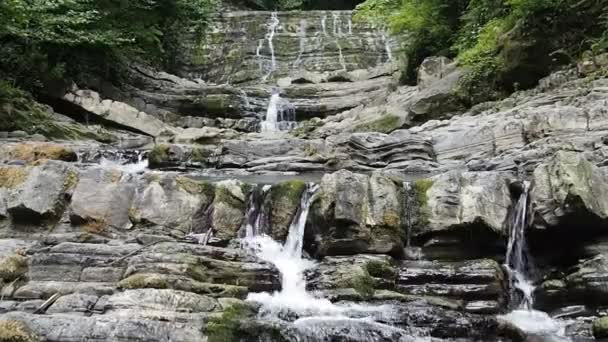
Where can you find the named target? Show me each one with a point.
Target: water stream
(280, 115)
(519, 267)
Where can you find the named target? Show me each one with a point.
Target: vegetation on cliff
(44, 42)
(505, 44)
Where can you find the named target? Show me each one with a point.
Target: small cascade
(519, 268)
(280, 115)
(337, 22)
(128, 161)
(324, 24)
(257, 215)
(407, 207)
(272, 30)
(350, 26)
(288, 260)
(387, 46)
(243, 95)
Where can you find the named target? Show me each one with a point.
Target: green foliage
(505, 44)
(46, 41)
(384, 124)
(225, 327)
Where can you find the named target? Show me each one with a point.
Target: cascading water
(280, 115)
(387, 46)
(272, 30)
(127, 161)
(288, 260)
(519, 267)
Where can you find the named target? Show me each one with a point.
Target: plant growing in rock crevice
(16, 331)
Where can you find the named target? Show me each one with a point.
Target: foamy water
(138, 167)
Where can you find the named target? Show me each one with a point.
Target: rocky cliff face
(417, 205)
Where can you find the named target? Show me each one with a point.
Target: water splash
(288, 260)
(280, 115)
(337, 24)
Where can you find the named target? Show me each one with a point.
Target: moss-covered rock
(600, 328)
(36, 151)
(285, 201)
(16, 331)
(10, 177)
(226, 327)
(163, 281)
(12, 267)
(384, 124)
(159, 156)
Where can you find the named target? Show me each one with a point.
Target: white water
(272, 30)
(518, 266)
(324, 24)
(279, 115)
(140, 166)
(337, 22)
(387, 47)
(288, 260)
(341, 56)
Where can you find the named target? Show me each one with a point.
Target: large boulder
(567, 184)
(116, 112)
(171, 202)
(102, 198)
(41, 195)
(463, 199)
(356, 213)
(228, 209)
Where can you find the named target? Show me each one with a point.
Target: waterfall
(127, 161)
(350, 26)
(272, 30)
(387, 47)
(324, 24)
(341, 56)
(517, 259)
(519, 266)
(288, 260)
(407, 207)
(280, 115)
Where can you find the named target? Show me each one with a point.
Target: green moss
(163, 281)
(380, 269)
(364, 284)
(12, 267)
(144, 280)
(159, 155)
(288, 191)
(200, 155)
(385, 124)
(223, 195)
(600, 328)
(15, 331)
(421, 187)
(195, 187)
(19, 111)
(225, 327)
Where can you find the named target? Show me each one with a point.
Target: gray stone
(102, 198)
(41, 195)
(568, 184)
(355, 213)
